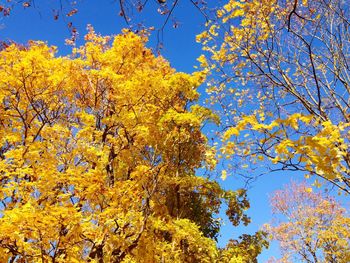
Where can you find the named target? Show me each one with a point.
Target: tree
(98, 155)
(280, 72)
(313, 226)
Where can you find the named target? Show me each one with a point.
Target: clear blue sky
(180, 49)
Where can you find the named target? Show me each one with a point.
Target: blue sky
(180, 49)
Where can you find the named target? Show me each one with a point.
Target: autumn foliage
(102, 150)
(310, 227)
(98, 157)
(280, 75)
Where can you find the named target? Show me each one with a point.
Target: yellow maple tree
(280, 74)
(98, 153)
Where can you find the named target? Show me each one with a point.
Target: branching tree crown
(310, 227)
(281, 74)
(98, 152)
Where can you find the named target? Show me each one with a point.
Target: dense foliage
(98, 156)
(99, 149)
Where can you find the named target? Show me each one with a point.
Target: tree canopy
(101, 150)
(98, 157)
(280, 73)
(310, 226)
